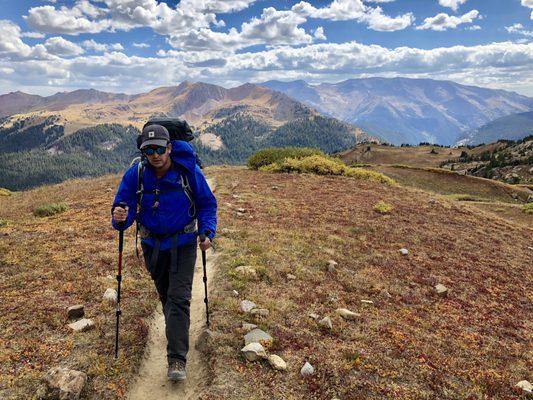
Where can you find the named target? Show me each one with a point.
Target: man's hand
(120, 214)
(205, 244)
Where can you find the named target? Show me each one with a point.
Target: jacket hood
(183, 153)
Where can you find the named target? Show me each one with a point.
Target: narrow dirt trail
(151, 382)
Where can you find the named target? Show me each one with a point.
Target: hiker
(170, 210)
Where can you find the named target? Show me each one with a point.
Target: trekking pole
(119, 275)
(202, 239)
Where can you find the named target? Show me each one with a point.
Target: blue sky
(135, 45)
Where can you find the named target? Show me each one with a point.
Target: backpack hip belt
(145, 233)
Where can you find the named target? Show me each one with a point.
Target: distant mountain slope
(510, 127)
(199, 103)
(89, 132)
(401, 110)
(91, 151)
(17, 102)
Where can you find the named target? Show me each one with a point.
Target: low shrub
(382, 207)
(271, 155)
(324, 165)
(47, 210)
(528, 208)
(5, 192)
(3, 222)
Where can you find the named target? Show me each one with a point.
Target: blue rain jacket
(172, 214)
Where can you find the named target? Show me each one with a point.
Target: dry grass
(324, 165)
(420, 156)
(50, 263)
(411, 344)
(450, 183)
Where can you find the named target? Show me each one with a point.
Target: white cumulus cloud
(319, 33)
(519, 29)
(91, 44)
(443, 21)
(61, 47)
(343, 10)
(453, 4)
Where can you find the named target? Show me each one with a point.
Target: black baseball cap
(154, 135)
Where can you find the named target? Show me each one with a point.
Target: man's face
(158, 160)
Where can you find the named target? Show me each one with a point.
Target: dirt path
(152, 382)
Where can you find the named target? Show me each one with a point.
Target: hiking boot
(176, 371)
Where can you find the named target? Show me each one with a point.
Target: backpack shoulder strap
(139, 193)
(185, 184)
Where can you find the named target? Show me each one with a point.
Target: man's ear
(169, 146)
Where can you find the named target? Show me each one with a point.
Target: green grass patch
(528, 208)
(467, 197)
(3, 222)
(273, 155)
(382, 207)
(324, 165)
(47, 210)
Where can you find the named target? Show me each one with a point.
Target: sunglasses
(159, 150)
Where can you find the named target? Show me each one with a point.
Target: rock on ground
(441, 290)
(247, 306)
(307, 369)
(347, 314)
(258, 336)
(332, 265)
(82, 325)
(206, 340)
(62, 383)
(326, 323)
(110, 295)
(254, 351)
(277, 362)
(525, 386)
(76, 311)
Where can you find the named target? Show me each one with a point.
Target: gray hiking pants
(174, 287)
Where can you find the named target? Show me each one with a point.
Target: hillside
(505, 160)
(407, 343)
(420, 156)
(40, 154)
(401, 110)
(457, 173)
(511, 127)
(35, 151)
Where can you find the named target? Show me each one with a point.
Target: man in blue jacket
(175, 206)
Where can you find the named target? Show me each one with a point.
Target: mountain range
(232, 124)
(510, 127)
(62, 131)
(402, 110)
